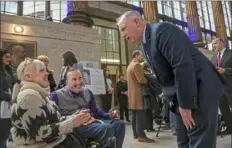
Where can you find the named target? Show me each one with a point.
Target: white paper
(94, 80)
(90, 64)
(5, 110)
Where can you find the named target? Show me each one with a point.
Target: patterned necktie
(219, 59)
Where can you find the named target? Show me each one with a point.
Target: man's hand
(221, 70)
(186, 115)
(82, 111)
(126, 93)
(110, 91)
(81, 119)
(113, 114)
(11, 101)
(90, 121)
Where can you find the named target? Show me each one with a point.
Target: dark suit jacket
(226, 62)
(150, 91)
(177, 62)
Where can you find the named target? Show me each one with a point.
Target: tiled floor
(165, 140)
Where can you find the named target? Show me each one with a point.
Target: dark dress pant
(106, 102)
(123, 107)
(204, 134)
(5, 125)
(138, 123)
(224, 105)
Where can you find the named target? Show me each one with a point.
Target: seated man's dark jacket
(70, 102)
(150, 92)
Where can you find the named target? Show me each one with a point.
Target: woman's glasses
(27, 62)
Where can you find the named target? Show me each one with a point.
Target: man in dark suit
(177, 62)
(223, 62)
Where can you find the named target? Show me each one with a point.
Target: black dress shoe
(151, 130)
(228, 131)
(128, 120)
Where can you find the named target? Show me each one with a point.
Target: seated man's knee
(108, 129)
(119, 124)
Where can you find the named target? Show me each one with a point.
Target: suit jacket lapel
(147, 50)
(224, 57)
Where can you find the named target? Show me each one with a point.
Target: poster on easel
(94, 80)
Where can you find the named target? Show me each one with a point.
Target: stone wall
(54, 38)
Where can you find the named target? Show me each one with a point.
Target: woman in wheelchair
(36, 121)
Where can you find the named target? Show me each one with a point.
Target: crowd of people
(43, 114)
(38, 112)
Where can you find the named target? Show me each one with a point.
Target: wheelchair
(75, 140)
(221, 126)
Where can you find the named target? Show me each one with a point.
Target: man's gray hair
(128, 14)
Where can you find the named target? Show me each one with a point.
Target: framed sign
(19, 49)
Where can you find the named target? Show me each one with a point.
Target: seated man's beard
(78, 90)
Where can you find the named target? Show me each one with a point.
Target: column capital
(20, 8)
(219, 20)
(150, 11)
(194, 29)
(78, 13)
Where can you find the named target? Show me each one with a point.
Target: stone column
(230, 4)
(47, 9)
(194, 29)
(20, 8)
(150, 11)
(78, 13)
(219, 20)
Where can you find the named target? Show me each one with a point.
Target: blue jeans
(172, 118)
(102, 131)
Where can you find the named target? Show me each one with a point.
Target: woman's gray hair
(128, 14)
(20, 73)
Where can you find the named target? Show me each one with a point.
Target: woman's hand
(81, 119)
(11, 101)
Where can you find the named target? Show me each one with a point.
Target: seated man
(74, 97)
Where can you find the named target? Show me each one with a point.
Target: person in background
(107, 98)
(122, 93)
(51, 79)
(223, 62)
(135, 78)
(36, 120)
(7, 81)
(148, 92)
(17, 55)
(69, 62)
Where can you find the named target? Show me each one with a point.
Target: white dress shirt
(221, 53)
(144, 37)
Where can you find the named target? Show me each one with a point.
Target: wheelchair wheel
(93, 144)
